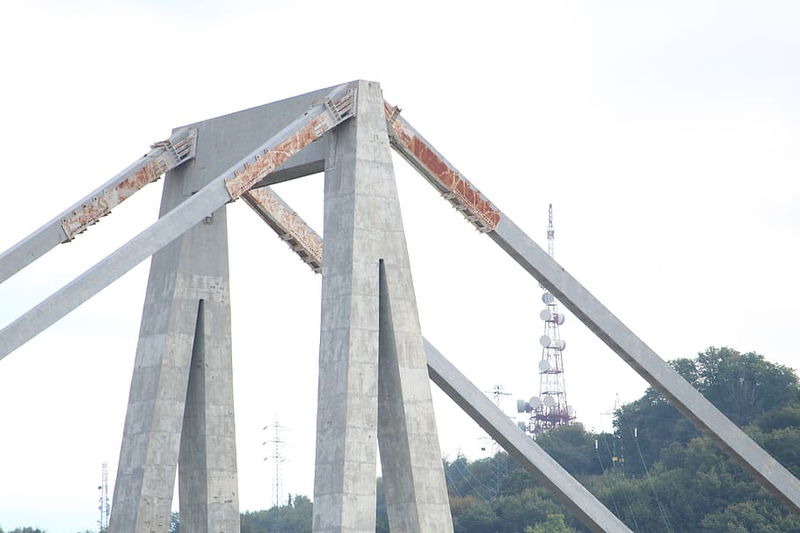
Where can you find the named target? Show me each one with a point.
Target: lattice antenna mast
(104, 507)
(276, 446)
(550, 408)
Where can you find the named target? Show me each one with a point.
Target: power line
(618, 474)
(650, 481)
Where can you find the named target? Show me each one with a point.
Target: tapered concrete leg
(411, 461)
(363, 226)
(175, 324)
(207, 462)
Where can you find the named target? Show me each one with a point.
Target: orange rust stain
(450, 178)
(101, 205)
(265, 164)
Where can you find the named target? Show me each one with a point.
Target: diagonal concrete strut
(228, 186)
(537, 262)
(162, 157)
(566, 488)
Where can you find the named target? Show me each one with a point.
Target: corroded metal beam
(162, 157)
(292, 229)
(455, 188)
(337, 108)
(537, 262)
(332, 112)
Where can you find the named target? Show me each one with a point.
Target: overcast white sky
(665, 134)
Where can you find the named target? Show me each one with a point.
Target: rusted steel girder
(292, 229)
(163, 156)
(335, 112)
(464, 196)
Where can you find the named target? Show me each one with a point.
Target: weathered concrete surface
(411, 460)
(193, 268)
(224, 140)
(362, 227)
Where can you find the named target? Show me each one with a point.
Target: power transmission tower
(500, 465)
(104, 507)
(277, 445)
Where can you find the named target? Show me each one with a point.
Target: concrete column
(185, 325)
(208, 487)
(363, 226)
(411, 460)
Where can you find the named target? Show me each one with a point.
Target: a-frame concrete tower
(374, 394)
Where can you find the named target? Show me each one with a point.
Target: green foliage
(743, 386)
(553, 524)
(573, 447)
(783, 417)
(295, 517)
(690, 484)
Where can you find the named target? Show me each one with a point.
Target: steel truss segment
(292, 229)
(462, 194)
(162, 157)
(331, 112)
(564, 487)
(162, 232)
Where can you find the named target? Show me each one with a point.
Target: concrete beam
(162, 157)
(735, 442)
(564, 487)
(289, 226)
(489, 219)
(226, 139)
(236, 180)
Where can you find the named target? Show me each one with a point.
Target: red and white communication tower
(549, 409)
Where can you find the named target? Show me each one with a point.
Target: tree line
(655, 471)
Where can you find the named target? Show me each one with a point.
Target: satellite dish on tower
(544, 340)
(548, 298)
(535, 402)
(558, 345)
(546, 315)
(544, 365)
(549, 401)
(523, 406)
